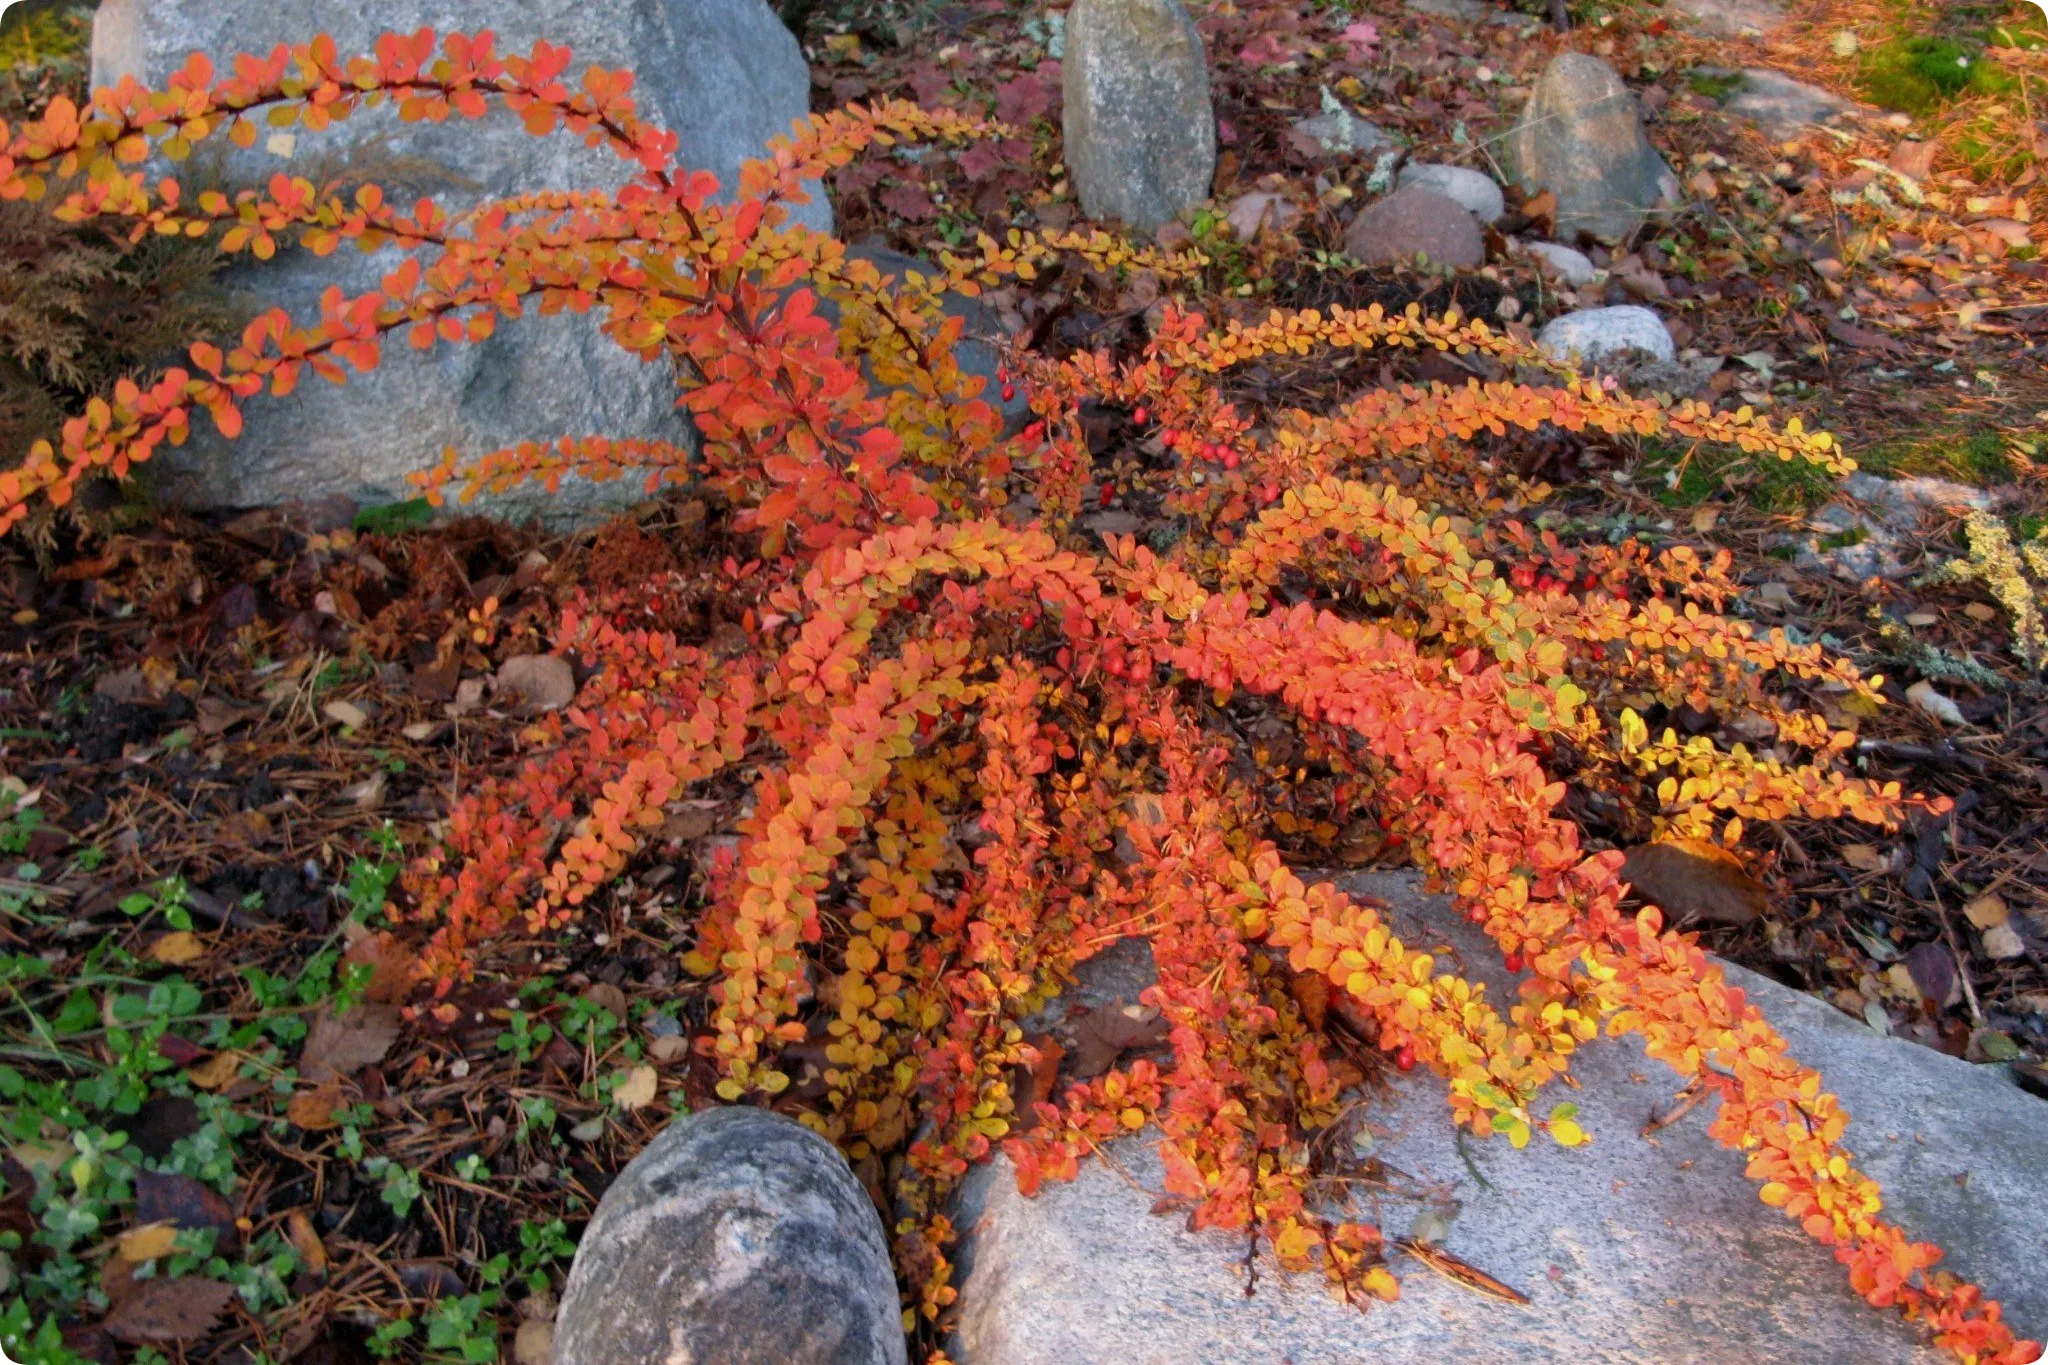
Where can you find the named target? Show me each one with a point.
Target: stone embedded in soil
(1339, 132)
(1416, 221)
(1780, 106)
(738, 1237)
(1732, 18)
(1631, 1250)
(1139, 125)
(1260, 209)
(1473, 189)
(1608, 338)
(1581, 137)
(1575, 268)
(1878, 516)
(723, 75)
(981, 337)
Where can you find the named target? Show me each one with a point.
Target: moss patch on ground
(1682, 478)
(1978, 457)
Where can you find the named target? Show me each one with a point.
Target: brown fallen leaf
(1865, 857)
(183, 1202)
(1311, 992)
(313, 1110)
(216, 716)
(1932, 969)
(1987, 910)
(340, 1045)
(216, 1072)
(391, 966)
(1692, 879)
(1042, 1082)
(174, 1311)
(305, 1241)
(1101, 1036)
(1863, 339)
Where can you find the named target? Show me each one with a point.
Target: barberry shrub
(934, 648)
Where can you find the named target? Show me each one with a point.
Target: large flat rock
(1632, 1251)
(724, 74)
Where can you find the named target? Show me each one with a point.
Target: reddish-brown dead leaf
(339, 1045)
(1691, 879)
(175, 1311)
(1101, 1036)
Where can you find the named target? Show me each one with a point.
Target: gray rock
(1781, 106)
(1416, 220)
(979, 350)
(739, 1237)
(1473, 189)
(1901, 501)
(1260, 209)
(1630, 1250)
(1608, 338)
(1575, 268)
(1140, 129)
(1581, 137)
(1732, 18)
(1878, 516)
(725, 74)
(1474, 12)
(1465, 11)
(1340, 132)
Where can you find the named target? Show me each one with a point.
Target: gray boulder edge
(1581, 137)
(1631, 1250)
(724, 74)
(1138, 124)
(738, 1237)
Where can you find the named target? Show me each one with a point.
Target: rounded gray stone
(1139, 125)
(1415, 220)
(725, 75)
(1605, 338)
(1474, 189)
(1575, 268)
(739, 1237)
(1581, 137)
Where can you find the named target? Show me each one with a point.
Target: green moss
(1973, 457)
(1769, 485)
(1715, 86)
(1918, 74)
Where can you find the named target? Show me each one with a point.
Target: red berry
(1514, 962)
(1108, 492)
(1009, 392)
(1142, 416)
(1271, 492)
(1405, 1058)
(1230, 459)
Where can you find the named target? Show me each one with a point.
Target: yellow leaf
(1987, 911)
(147, 1243)
(176, 949)
(216, 1072)
(1567, 1133)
